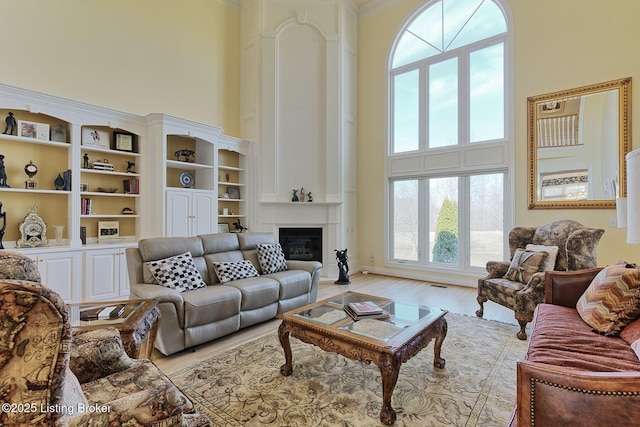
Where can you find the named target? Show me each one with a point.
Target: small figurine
(295, 195)
(238, 227)
(309, 197)
(302, 194)
(3, 215)
(11, 124)
(343, 267)
(130, 166)
(85, 161)
(3, 173)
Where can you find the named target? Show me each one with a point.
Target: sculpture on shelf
(85, 161)
(187, 154)
(302, 194)
(309, 197)
(3, 173)
(10, 127)
(59, 182)
(294, 198)
(130, 166)
(3, 216)
(343, 267)
(238, 227)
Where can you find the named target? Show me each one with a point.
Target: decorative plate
(186, 179)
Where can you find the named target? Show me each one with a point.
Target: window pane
(412, 48)
(486, 218)
(487, 21)
(405, 220)
(406, 109)
(443, 220)
(443, 103)
(456, 15)
(486, 109)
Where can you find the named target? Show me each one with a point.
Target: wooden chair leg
(522, 334)
(481, 301)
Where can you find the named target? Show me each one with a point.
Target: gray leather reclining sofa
(201, 315)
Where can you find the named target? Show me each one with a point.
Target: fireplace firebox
(303, 244)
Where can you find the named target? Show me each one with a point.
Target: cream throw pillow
(552, 254)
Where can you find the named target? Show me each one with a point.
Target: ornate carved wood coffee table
(388, 343)
(138, 324)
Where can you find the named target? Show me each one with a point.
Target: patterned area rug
(243, 386)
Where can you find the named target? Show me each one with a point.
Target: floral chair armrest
(98, 353)
(531, 295)
(162, 405)
(496, 269)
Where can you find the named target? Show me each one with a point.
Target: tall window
(448, 163)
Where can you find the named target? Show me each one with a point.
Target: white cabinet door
(190, 213)
(205, 217)
(102, 274)
(178, 213)
(60, 271)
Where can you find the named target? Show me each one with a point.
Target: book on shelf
(85, 208)
(102, 313)
(67, 180)
(365, 310)
(131, 186)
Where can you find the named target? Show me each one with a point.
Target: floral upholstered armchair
(50, 378)
(519, 284)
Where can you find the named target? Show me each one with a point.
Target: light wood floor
(456, 299)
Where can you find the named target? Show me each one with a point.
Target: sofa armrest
(161, 294)
(556, 396)
(98, 353)
(565, 287)
(313, 267)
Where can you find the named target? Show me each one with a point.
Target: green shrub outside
(445, 249)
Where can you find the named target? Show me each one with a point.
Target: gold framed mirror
(577, 142)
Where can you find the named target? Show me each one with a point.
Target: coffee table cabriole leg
(438, 361)
(283, 335)
(389, 370)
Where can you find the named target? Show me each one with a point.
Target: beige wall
(143, 56)
(183, 59)
(558, 45)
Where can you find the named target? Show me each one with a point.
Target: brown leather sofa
(572, 375)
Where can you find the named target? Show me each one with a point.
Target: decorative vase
(59, 182)
(58, 229)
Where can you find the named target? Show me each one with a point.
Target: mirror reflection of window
(582, 129)
(568, 185)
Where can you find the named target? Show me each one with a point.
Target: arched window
(449, 136)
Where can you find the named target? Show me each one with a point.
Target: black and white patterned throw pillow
(234, 270)
(178, 272)
(271, 258)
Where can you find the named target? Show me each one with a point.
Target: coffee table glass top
(130, 307)
(330, 313)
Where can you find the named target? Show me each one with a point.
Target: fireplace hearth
(303, 244)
